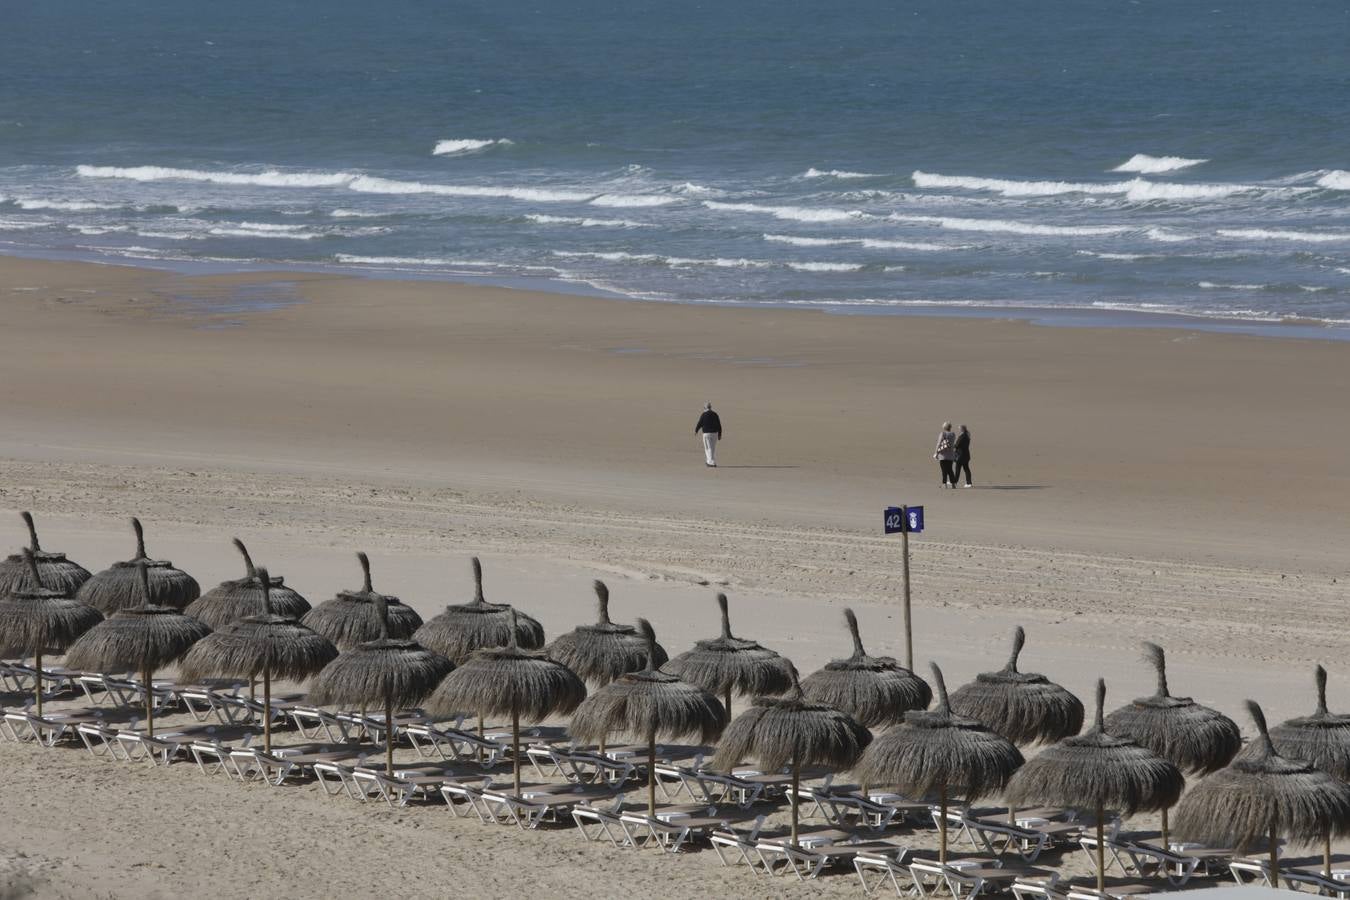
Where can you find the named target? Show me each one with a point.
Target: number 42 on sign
(904, 518)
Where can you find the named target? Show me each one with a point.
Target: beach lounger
(601, 822)
(101, 741)
(1027, 841)
(318, 724)
(738, 843)
(672, 828)
(534, 806)
(335, 779)
(101, 688)
(1112, 892)
(470, 795)
(875, 870)
(248, 764)
(432, 741)
(807, 859)
(966, 878)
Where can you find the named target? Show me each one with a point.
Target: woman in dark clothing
(962, 462)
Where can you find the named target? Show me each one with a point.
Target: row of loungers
(594, 790)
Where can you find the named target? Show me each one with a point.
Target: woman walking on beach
(945, 454)
(962, 462)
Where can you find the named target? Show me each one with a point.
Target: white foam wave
(369, 184)
(836, 173)
(719, 262)
(878, 244)
(18, 225)
(868, 243)
(62, 205)
(1219, 286)
(634, 201)
(354, 214)
(655, 258)
(269, 178)
(808, 241)
(465, 146)
(1336, 180)
(1165, 236)
(690, 189)
(228, 231)
(824, 267)
(424, 262)
(894, 269)
(1343, 270)
(1282, 234)
(791, 213)
(587, 222)
(1156, 165)
(1125, 257)
(98, 229)
(1136, 189)
(1006, 226)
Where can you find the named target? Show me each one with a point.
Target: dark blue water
(1149, 156)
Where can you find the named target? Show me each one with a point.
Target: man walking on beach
(710, 426)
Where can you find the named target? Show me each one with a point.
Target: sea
(1100, 161)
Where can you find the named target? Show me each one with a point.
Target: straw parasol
(510, 681)
(1322, 739)
(1196, 738)
(58, 573)
(941, 752)
(37, 620)
(137, 639)
(350, 619)
(271, 644)
(388, 671)
(119, 585)
(1097, 771)
(1265, 795)
(464, 628)
(729, 663)
(649, 704)
(601, 652)
(792, 731)
(233, 600)
(875, 690)
(1024, 707)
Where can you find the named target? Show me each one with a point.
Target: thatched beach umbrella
(942, 753)
(649, 704)
(875, 690)
(58, 573)
(463, 628)
(390, 672)
(138, 639)
(792, 731)
(601, 652)
(271, 644)
(1263, 796)
(727, 663)
(1024, 707)
(1196, 738)
(39, 620)
(1097, 771)
(119, 585)
(509, 681)
(232, 600)
(1322, 738)
(351, 618)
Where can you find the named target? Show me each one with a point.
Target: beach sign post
(903, 520)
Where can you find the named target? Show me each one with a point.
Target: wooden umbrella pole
(267, 708)
(149, 704)
(796, 797)
(515, 745)
(728, 704)
(479, 751)
(388, 738)
(1101, 849)
(1326, 854)
(37, 685)
(1274, 856)
(1164, 828)
(651, 773)
(942, 826)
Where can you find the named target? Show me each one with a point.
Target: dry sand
(1183, 486)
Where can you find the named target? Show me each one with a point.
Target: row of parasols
(363, 648)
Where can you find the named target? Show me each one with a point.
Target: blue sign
(900, 519)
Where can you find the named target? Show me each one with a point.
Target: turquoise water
(1146, 157)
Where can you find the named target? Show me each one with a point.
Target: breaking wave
(465, 146)
(1156, 165)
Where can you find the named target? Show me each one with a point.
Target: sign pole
(904, 549)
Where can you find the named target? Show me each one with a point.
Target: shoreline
(1109, 314)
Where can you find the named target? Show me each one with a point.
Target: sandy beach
(1186, 487)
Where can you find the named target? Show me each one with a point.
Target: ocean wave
(539, 219)
(1006, 226)
(837, 173)
(1156, 165)
(1282, 234)
(690, 189)
(866, 243)
(1165, 236)
(19, 224)
(433, 262)
(633, 201)
(1343, 270)
(879, 244)
(893, 269)
(1336, 180)
(1136, 189)
(824, 267)
(1124, 257)
(98, 229)
(465, 146)
(369, 184)
(809, 241)
(62, 205)
(268, 178)
(658, 259)
(354, 214)
(791, 213)
(1218, 286)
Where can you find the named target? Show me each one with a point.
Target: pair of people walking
(953, 454)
